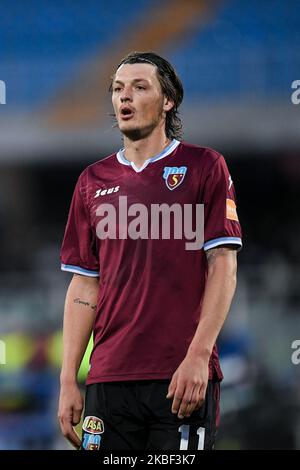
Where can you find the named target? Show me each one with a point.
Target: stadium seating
(243, 49)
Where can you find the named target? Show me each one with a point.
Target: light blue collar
(169, 149)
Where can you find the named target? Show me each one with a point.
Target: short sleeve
(221, 223)
(79, 248)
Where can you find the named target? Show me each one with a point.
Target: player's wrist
(68, 379)
(199, 352)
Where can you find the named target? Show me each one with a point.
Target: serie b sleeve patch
(231, 210)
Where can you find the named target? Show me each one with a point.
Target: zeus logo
(102, 192)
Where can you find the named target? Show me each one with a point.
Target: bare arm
(189, 382)
(219, 291)
(79, 316)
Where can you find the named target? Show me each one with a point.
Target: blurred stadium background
(237, 60)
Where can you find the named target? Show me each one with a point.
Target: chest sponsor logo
(103, 192)
(93, 425)
(174, 176)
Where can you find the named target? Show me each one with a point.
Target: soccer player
(155, 305)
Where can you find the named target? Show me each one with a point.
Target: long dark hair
(170, 83)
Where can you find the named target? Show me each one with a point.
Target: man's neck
(141, 150)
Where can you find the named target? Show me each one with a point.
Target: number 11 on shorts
(185, 433)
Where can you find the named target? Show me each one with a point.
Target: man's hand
(69, 412)
(188, 385)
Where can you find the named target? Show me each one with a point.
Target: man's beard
(139, 133)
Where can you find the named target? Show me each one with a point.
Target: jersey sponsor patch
(93, 425)
(174, 176)
(231, 210)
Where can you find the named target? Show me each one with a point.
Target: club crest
(174, 176)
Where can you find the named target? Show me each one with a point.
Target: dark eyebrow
(135, 80)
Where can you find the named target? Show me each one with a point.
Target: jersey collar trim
(169, 149)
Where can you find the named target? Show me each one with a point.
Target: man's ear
(168, 104)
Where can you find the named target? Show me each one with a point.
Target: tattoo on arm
(214, 253)
(86, 304)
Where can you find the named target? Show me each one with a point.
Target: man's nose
(125, 95)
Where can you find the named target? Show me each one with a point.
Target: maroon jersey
(150, 289)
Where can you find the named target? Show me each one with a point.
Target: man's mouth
(126, 113)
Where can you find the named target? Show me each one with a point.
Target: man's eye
(117, 88)
(140, 87)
